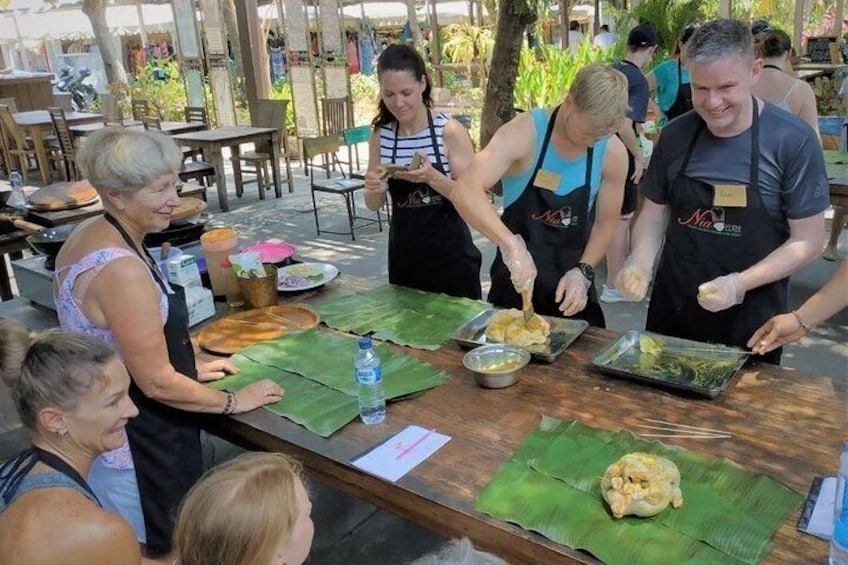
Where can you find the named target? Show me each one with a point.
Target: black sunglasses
(760, 27)
(689, 30)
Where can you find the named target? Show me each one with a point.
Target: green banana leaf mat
(316, 370)
(836, 163)
(551, 485)
(405, 316)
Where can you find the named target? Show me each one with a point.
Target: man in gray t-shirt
(737, 190)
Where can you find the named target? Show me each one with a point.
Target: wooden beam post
(798, 26)
(725, 8)
(837, 21)
(216, 61)
(257, 74)
(189, 51)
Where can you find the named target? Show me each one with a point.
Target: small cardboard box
(183, 270)
(200, 303)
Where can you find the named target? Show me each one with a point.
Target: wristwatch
(587, 271)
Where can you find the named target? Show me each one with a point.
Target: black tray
(624, 358)
(563, 332)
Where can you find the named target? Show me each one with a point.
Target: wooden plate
(236, 331)
(63, 195)
(188, 207)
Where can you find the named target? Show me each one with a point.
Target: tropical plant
(281, 90)
(828, 101)
(668, 17)
(544, 76)
(469, 44)
(160, 83)
(364, 90)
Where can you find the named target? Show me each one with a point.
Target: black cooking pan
(49, 241)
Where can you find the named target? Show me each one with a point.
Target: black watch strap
(587, 271)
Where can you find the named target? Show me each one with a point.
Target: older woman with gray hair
(107, 284)
(70, 391)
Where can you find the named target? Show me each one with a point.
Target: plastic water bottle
(839, 541)
(369, 380)
(17, 199)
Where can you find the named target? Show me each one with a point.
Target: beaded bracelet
(231, 404)
(801, 321)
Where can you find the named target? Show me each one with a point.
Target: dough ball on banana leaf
(641, 484)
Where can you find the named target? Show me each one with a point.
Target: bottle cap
(365, 342)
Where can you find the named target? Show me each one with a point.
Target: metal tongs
(527, 305)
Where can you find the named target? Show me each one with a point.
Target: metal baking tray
(563, 332)
(676, 366)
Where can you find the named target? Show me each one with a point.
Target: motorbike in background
(72, 81)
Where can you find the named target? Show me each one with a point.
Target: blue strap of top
(51, 479)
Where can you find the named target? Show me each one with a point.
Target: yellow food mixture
(641, 484)
(508, 326)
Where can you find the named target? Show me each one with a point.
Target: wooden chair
(195, 115)
(269, 114)
(336, 116)
(67, 153)
(201, 171)
(140, 109)
(18, 147)
(345, 187)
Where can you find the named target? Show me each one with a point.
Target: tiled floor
(351, 531)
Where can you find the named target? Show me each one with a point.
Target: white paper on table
(401, 453)
(820, 523)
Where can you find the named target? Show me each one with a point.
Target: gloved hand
(633, 279)
(721, 293)
(522, 269)
(572, 292)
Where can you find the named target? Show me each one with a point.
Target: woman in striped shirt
(430, 246)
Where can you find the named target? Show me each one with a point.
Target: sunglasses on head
(761, 27)
(689, 30)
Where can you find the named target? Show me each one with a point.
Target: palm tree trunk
(417, 41)
(498, 104)
(110, 50)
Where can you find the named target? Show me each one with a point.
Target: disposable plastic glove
(633, 279)
(572, 292)
(721, 293)
(522, 269)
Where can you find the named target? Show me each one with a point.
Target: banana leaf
(405, 316)
(328, 359)
(724, 507)
(318, 408)
(836, 163)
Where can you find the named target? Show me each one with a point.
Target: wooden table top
(168, 128)
(224, 134)
(785, 423)
(42, 118)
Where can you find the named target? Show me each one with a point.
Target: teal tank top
(573, 172)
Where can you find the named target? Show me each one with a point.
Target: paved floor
(349, 530)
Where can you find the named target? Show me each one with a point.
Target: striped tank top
(418, 142)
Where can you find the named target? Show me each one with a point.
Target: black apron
(556, 229)
(165, 442)
(703, 242)
(683, 100)
(15, 470)
(430, 245)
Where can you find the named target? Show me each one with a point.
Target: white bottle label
(369, 376)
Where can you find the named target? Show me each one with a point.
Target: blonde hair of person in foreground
(252, 510)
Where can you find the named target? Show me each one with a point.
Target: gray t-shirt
(793, 181)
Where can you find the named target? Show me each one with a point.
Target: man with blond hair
(737, 189)
(559, 167)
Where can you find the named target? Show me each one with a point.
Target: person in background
(737, 191)
(430, 246)
(787, 328)
(251, 510)
(670, 79)
(605, 38)
(641, 44)
(106, 284)
(70, 391)
(777, 85)
(559, 167)
(575, 36)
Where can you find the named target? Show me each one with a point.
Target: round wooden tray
(236, 331)
(63, 196)
(188, 207)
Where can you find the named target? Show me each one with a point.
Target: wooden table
(168, 128)
(785, 423)
(37, 124)
(212, 141)
(30, 90)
